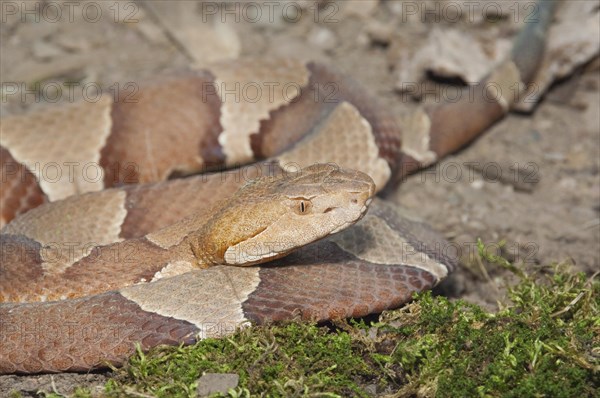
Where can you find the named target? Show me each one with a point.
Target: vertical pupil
(302, 207)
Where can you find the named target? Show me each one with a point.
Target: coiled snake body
(85, 278)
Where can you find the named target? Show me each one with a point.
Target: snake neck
(204, 254)
(186, 241)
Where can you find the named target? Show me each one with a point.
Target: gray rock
(212, 383)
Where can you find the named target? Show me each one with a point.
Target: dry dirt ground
(547, 212)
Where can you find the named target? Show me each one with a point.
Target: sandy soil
(547, 212)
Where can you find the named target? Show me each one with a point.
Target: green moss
(543, 342)
(283, 360)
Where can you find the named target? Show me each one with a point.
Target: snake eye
(302, 206)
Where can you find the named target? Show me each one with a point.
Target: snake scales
(179, 234)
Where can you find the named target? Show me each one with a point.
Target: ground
(549, 212)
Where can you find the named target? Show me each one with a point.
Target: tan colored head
(269, 217)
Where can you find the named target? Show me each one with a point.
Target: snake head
(271, 216)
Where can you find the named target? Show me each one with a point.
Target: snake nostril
(327, 210)
(354, 200)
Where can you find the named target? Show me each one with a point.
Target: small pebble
(371, 389)
(568, 183)
(477, 184)
(322, 38)
(212, 383)
(373, 333)
(44, 50)
(556, 156)
(73, 43)
(379, 33)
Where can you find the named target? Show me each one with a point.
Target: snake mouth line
(347, 224)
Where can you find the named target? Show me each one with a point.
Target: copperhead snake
(90, 267)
